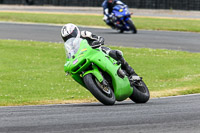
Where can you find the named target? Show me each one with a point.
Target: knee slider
(119, 54)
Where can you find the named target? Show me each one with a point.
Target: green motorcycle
(101, 74)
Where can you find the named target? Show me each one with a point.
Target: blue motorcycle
(121, 18)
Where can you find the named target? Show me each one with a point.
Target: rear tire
(93, 85)
(132, 26)
(140, 92)
(29, 2)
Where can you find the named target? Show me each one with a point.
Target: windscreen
(71, 46)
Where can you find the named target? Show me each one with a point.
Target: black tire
(30, 2)
(97, 91)
(121, 31)
(132, 26)
(140, 92)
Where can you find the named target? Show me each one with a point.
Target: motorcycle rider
(107, 10)
(72, 31)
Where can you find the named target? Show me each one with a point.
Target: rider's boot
(131, 73)
(117, 55)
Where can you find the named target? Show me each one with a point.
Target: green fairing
(95, 72)
(88, 60)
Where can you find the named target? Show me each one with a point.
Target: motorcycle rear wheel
(104, 95)
(140, 92)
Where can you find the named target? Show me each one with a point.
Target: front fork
(123, 20)
(95, 71)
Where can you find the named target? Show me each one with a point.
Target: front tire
(132, 26)
(121, 31)
(104, 95)
(140, 92)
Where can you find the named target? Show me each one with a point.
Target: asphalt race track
(185, 41)
(163, 115)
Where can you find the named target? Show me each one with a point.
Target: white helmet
(69, 31)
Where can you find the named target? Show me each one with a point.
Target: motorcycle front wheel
(101, 92)
(140, 92)
(132, 26)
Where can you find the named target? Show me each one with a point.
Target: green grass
(33, 73)
(149, 23)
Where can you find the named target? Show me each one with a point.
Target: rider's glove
(101, 40)
(98, 42)
(86, 34)
(111, 16)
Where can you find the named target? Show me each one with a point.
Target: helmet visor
(73, 34)
(71, 46)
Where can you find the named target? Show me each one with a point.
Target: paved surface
(166, 115)
(185, 41)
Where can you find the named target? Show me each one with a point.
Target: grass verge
(148, 23)
(32, 73)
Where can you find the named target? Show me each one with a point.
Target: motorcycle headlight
(120, 10)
